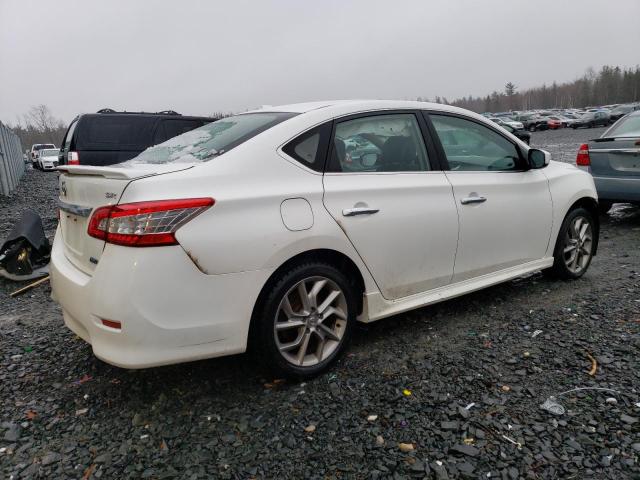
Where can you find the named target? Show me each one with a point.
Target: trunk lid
(82, 190)
(615, 157)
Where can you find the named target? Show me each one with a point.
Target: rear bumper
(621, 189)
(170, 311)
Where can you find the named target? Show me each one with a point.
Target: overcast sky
(200, 57)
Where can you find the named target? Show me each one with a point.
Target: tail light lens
(73, 158)
(583, 159)
(145, 224)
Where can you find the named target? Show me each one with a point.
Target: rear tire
(574, 247)
(304, 321)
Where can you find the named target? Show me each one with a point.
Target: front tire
(575, 245)
(304, 322)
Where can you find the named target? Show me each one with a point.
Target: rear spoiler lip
(120, 172)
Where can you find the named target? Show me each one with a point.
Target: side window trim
(434, 164)
(443, 156)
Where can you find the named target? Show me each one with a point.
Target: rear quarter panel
(244, 230)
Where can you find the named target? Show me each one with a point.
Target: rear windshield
(210, 140)
(49, 153)
(43, 145)
(627, 127)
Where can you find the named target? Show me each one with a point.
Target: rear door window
(379, 143)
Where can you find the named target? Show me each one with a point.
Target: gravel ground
(449, 391)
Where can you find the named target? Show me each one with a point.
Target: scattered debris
(372, 418)
(406, 447)
(512, 441)
(82, 411)
(25, 253)
(310, 428)
(84, 379)
(379, 440)
(594, 364)
(552, 406)
(22, 290)
(536, 333)
(406, 393)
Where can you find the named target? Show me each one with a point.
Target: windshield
(627, 127)
(210, 140)
(49, 153)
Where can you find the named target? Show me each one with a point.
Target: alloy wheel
(578, 245)
(311, 321)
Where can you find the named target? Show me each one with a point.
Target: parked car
(553, 122)
(256, 231)
(521, 133)
(35, 148)
(532, 121)
(614, 161)
(48, 158)
(620, 111)
(592, 119)
(109, 137)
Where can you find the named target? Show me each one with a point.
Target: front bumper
(618, 189)
(52, 166)
(170, 311)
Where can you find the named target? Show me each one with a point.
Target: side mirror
(538, 158)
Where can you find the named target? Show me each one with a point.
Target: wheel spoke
(333, 311)
(285, 347)
(290, 324)
(328, 333)
(315, 290)
(304, 297)
(288, 309)
(569, 248)
(303, 348)
(574, 262)
(583, 230)
(329, 300)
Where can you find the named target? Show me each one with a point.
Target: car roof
(341, 106)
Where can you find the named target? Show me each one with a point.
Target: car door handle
(352, 212)
(469, 200)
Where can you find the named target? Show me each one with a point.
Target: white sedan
(276, 230)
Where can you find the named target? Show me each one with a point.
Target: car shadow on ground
(451, 321)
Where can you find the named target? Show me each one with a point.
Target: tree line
(608, 86)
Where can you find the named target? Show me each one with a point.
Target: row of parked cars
(554, 119)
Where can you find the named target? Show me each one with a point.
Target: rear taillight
(73, 158)
(583, 160)
(145, 224)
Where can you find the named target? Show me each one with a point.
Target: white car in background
(261, 231)
(512, 123)
(48, 158)
(35, 150)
